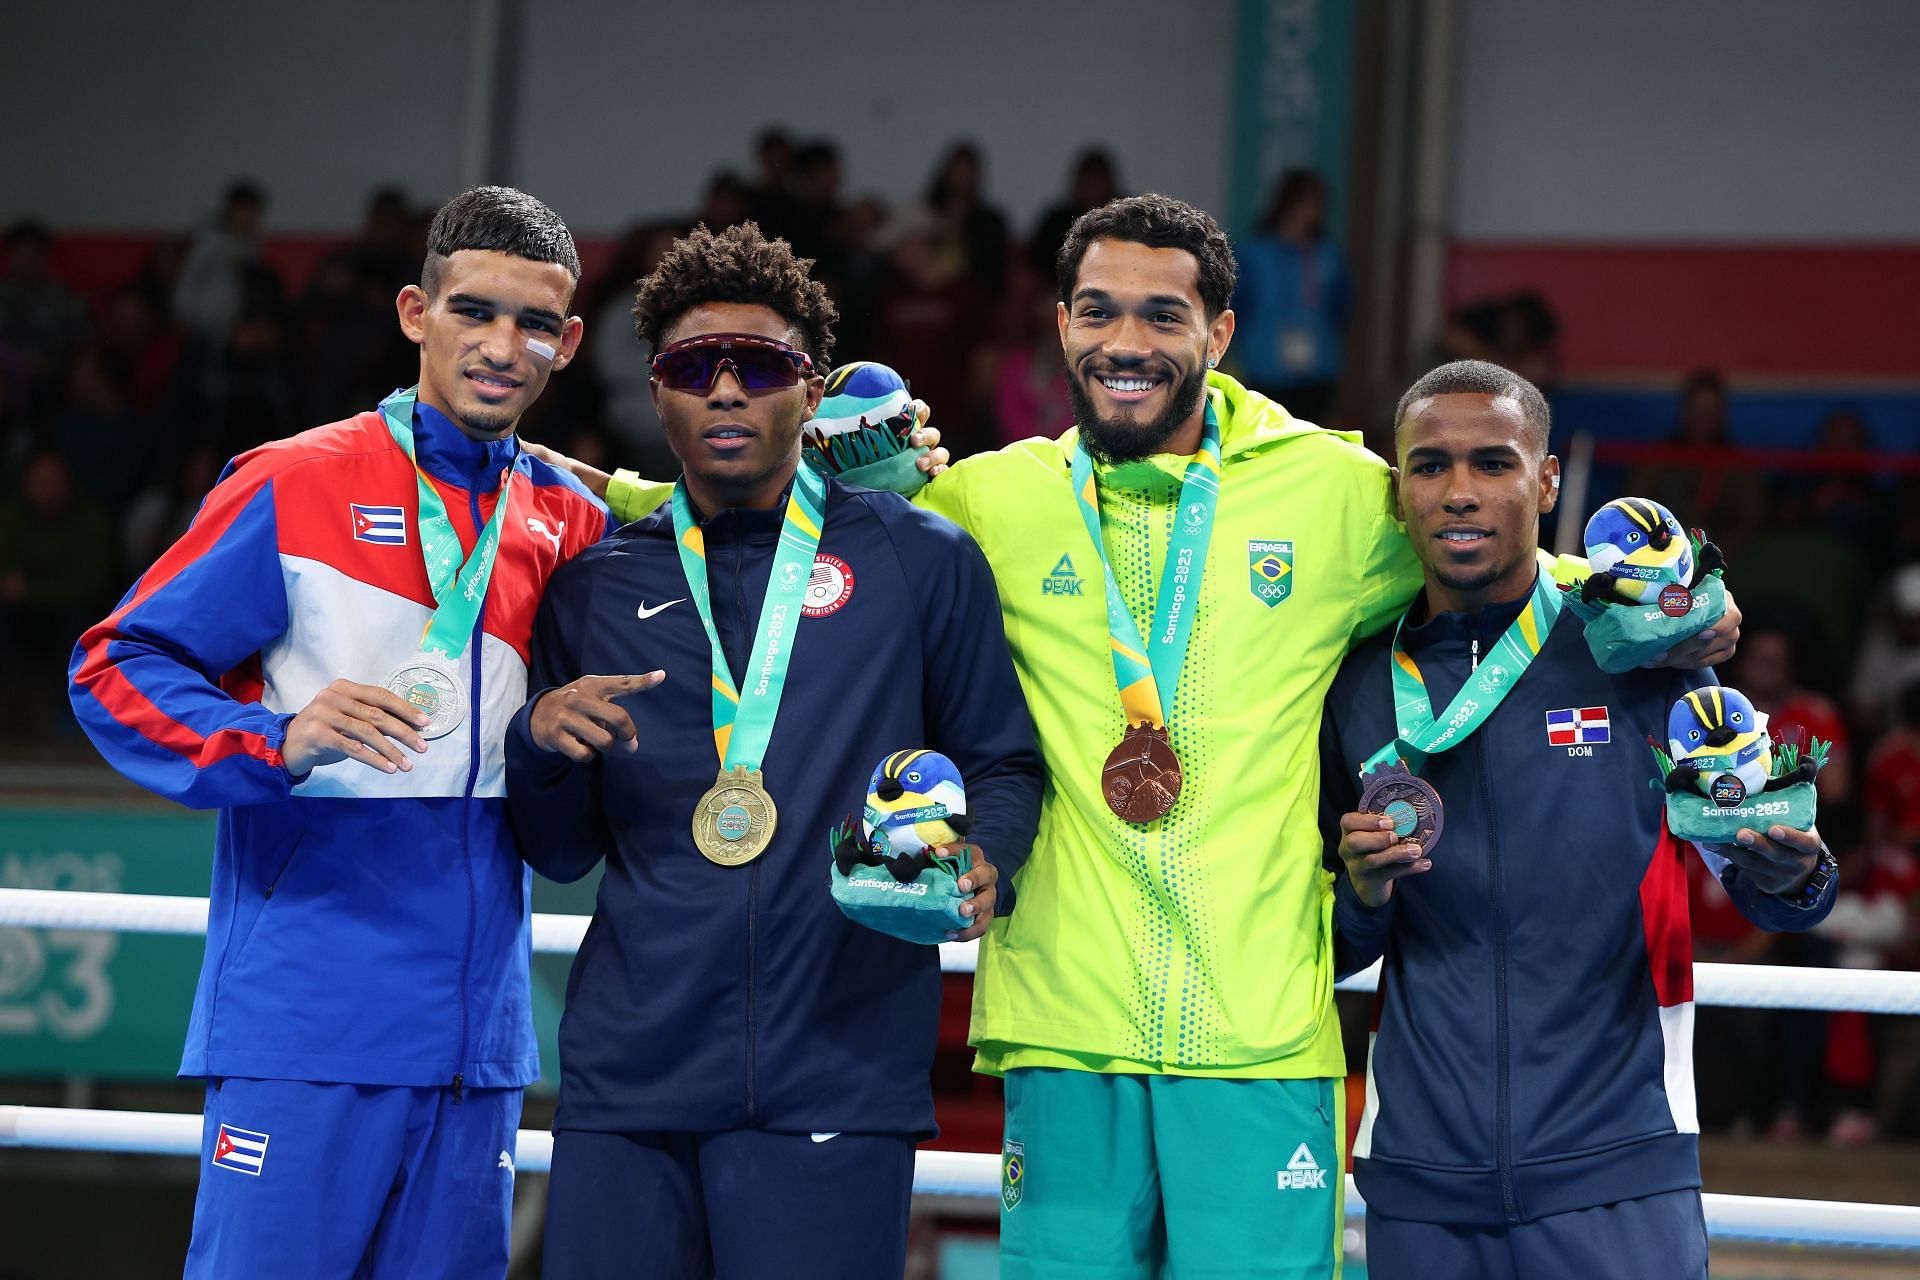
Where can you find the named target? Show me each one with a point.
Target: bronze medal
(1394, 792)
(734, 822)
(1141, 778)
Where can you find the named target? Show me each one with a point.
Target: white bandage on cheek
(542, 349)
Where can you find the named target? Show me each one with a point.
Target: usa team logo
(829, 586)
(384, 525)
(1578, 726)
(241, 1150)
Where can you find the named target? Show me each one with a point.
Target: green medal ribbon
(459, 589)
(1424, 734)
(1143, 669)
(753, 712)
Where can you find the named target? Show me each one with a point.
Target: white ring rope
(1756, 986)
(974, 1176)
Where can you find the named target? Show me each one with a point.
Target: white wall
(1688, 119)
(140, 112)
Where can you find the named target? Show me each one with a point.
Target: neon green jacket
(1201, 944)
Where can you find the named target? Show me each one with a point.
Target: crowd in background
(118, 411)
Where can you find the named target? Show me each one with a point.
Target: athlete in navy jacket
(744, 1071)
(1530, 1103)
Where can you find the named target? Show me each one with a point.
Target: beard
(1112, 440)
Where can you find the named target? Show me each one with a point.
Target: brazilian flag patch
(1013, 1172)
(1270, 571)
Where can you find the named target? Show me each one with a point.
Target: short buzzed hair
(1480, 377)
(503, 220)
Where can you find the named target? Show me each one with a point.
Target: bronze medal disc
(1141, 778)
(734, 822)
(1411, 802)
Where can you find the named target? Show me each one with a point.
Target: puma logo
(536, 525)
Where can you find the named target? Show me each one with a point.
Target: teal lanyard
(459, 589)
(752, 713)
(1424, 734)
(1148, 672)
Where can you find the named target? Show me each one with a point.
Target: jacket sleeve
(976, 714)
(1359, 931)
(554, 803)
(1390, 576)
(146, 682)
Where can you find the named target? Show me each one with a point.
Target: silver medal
(435, 689)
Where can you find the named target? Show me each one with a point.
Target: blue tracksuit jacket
(1532, 1044)
(711, 998)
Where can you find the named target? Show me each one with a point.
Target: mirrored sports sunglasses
(760, 364)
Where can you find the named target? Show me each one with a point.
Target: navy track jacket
(1532, 1047)
(710, 998)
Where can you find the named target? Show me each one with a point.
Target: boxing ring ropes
(969, 1174)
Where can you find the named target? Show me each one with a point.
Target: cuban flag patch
(1573, 726)
(241, 1150)
(384, 525)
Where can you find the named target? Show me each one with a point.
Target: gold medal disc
(734, 822)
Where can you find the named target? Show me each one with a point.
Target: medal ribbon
(753, 712)
(1143, 669)
(458, 589)
(1422, 733)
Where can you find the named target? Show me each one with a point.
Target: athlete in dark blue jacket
(744, 1072)
(1530, 1103)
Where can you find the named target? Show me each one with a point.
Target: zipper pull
(459, 1083)
(1476, 654)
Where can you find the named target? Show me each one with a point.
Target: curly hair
(739, 264)
(1159, 222)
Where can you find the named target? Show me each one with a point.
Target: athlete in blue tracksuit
(362, 1018)
(1530, 1103)
(744, 1071)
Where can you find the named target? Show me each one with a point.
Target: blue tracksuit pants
(1661, 1235)
(741, 1205)
(353, 1182)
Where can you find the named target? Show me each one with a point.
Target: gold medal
(734, 822)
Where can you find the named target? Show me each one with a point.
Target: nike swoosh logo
(646, 613)
(826, 1137)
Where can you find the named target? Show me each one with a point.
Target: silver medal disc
(434, 689)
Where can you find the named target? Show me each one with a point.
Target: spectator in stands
(103, 439)
(56, 570)
(221, 267)
(621, 369)
(728, 201)
(1094, 183)
(969, 229)
(349, 353)
(41, 321)
(1768, 669)
(1729, 502)
(1847, 503)
(1890, 652)
(1029, 377)
(931, 322)
(771, 201)
(815, 232)
(1293, 301)
(137, 335)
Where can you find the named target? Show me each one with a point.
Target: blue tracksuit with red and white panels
(364, 928)
(1532, 1045)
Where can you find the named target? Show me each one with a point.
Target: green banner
(115, 1006)
(1292, 103)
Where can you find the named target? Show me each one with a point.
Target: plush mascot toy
(886, 873)
(1653, 584)
(860, 431)
(1721, 771)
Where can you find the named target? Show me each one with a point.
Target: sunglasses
(761, 364)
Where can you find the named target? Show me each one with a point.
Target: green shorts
(1135, 1177)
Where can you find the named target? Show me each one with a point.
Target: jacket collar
(449, 454)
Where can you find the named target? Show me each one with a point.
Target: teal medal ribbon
(1391, 787)
(734, 822)
(430, 680)
(1142, 776)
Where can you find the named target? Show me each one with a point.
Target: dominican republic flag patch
(385, 525)
(241, 1150)
(1575, 725)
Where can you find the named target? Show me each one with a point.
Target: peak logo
(1303, 1172)
(1063, 581)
